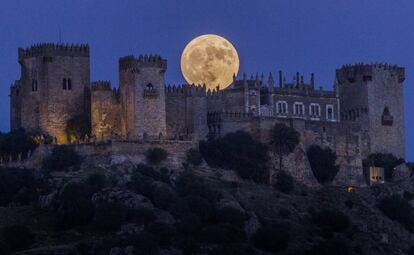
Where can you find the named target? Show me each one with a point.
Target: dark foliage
(200, 206)
(283, 140)
(188, 183)
(224, 233)
(17, 186)
(156, 155)
(109, 217)
(329, 247)
(141, 216)
(164, 233)
(15, 143)
(18, 237)
(4, 248)
(386, 161)
(408, 195)
(232, 249)
(231, 215)
(75, 207)
(284, 182)
(238, 151)
(323, 163)
(399, 209)
(330, 220)
(62, 158)
(78, 127)
(163, 197)
(349, 204)
(146, 244)
(194, 157)
(96, 182)
(271, 238)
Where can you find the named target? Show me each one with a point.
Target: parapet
(186, 90)
(101, 86)
(50, 50)
(131, 62)
(351, 73)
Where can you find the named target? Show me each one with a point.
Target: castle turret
(54, 87)
(142, 88)
(373, 96)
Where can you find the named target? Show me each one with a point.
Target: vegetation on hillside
(386, 161)
(323, 163)
(78, 127)
(16, 143)
(283, 140)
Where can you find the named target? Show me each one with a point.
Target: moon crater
(211, 60)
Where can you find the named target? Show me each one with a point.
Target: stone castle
(362, 115)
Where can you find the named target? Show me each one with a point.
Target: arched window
(69, 84)
(35, 85)
(150, 86)
(64, 84)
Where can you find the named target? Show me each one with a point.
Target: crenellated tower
(372, 95)
(142, 88)
(54, 86)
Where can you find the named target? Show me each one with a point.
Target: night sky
(290, 35)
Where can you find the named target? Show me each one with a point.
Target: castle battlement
(51, 49)
(361, 71)
(101, 86)
(131, 62)
(186, 90)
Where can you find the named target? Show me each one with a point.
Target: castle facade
(363, 114)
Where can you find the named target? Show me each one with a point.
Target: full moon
(211, 60)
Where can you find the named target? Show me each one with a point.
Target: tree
(15, 143)
(18, 237)
(62, 158)
(283, 140)
(156, 155)
(78, 127)
(386, 161)
(323, 163)
(194, 157)
(284, 182)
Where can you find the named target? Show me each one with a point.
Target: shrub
(398, 209)
(163, 197)
(15, 143)
(232, 249)
(329, 247)
(188, 183)
(4, 248)
(231, 215)
(145, 244)
(238, 151)
(78, 127)
(349, 204)
(140, 184)
(284, 182)
(18, 237)
(156, 155)
(271, 238)
(194, 157)
(141, 216)
(200, 206)
(96, 182)
(17, 186)
(109, 217)
(224, 233)
(164, 233)
(408, 195)
(331, 221)
(76, 208)
(386, 161)
(322, 162)
(62, 158)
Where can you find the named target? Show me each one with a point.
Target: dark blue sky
(292, 35)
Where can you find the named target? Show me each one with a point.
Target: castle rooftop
(51, 49)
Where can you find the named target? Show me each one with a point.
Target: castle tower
(142, 89)
(372, 95)
(53, 88)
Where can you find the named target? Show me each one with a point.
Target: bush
(17, 186)
(224, 233)
(96, 182)
(62, 158)
(75, 208)
(231, 215)
(408, 195)
(323, 163)
(18, 237)
(238, 151)
(232, 249)
(109, 217)
(164, 233)
(156, 155)
(200, 206)
(145, 244)
(284, 182)
(15, 143)
(271, 238)
(398, 209)
(329, 247)
(163, 197)
(78, 127)
(386, 161)
(141, 216)
(331, 221)
(4, 248)
(188, 183)
(194, 157)
(349, 204)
